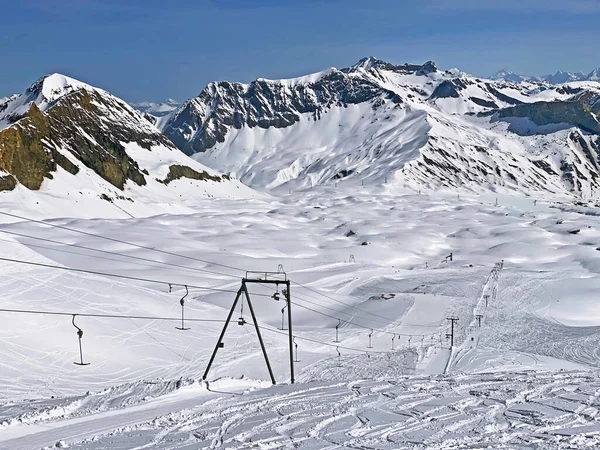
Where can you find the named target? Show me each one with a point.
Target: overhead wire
(87, 233)
(125, 277)
(99, 236)
(83, 247)
(141, 317)
(102, 315)
(169, 264)
(187, 268)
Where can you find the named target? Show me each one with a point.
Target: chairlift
(337, 327)
(241, 320)
(79, 335)
(296, 346)
(275, 296)
(283, 316)
(182, 303)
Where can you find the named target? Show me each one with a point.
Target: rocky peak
(371, 62)
(44, 93)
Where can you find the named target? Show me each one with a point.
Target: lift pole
(451, 334)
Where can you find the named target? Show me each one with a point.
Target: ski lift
(182, 303)
(370, 335)
(79, 335)
(241, 320)
(275, 296)
(296, 345)
(283, 316)
(337, 327)
(393, 337)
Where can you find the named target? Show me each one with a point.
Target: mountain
(507, 75)
(559, 77)
(409, 125)
(156, 109)
(155, 112)
(67, 138)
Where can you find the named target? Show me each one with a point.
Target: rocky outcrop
(24, 155)
(177, 171)
(7, 183)
(204, 121)
(580, 111)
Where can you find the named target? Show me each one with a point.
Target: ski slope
(526, 380)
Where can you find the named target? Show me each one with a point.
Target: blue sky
(154, 49)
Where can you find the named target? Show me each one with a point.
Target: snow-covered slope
(66, 140)
(412, 125)
(156, 109)
(143, 386)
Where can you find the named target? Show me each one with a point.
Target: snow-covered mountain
(411, 125)
(559, 77)
(155, 112)
(156, 109)
(70, 140)
(507, 75)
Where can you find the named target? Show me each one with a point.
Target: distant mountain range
(156, 109)
(559, 77)
(374, 122)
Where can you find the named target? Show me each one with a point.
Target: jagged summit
(372, 62)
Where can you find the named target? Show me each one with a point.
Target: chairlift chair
(182, 303)
(79, 335)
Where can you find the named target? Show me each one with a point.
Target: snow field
(388, 287)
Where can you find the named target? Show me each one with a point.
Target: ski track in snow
(552, 410)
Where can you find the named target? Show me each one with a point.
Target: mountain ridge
(559, 77)
(343, 123)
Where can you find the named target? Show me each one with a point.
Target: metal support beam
(262, 344)
(218, 345)
(262, 278)
(290, 335)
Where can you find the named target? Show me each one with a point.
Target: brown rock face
(23, 155)
(81, 124)
(177, 171)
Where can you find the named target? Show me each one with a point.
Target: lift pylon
(276, 278)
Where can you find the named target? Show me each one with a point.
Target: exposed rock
(177, 171)
(29, 150)
(579, 112)
(204, 121)
(7, 183)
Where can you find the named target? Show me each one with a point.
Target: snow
(312, 78)
(526, 378)
(156, 109)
